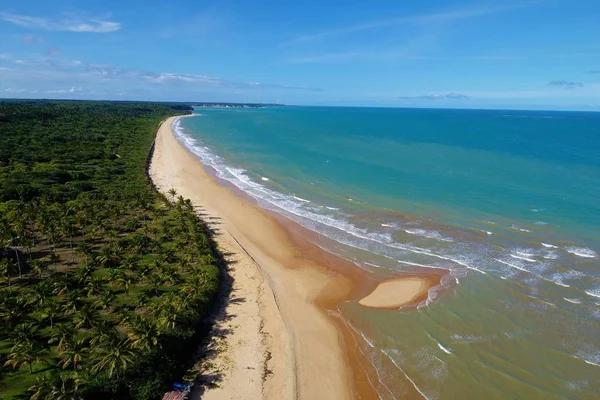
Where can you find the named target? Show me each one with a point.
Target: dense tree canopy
(102, 279)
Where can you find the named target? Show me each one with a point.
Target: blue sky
(443, 53)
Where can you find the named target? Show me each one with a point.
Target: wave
(549, 246)
(594, 292)
(445, 350)
(581, 252)
(523, 258)
(574, 301)
(428, 234)
(264, 178)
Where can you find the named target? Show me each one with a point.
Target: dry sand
(274, 339)
(394, 293)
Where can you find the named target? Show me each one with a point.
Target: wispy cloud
(594, 71)
(566, 84)
(75, 73)
(69, 23)
(443, 16)
(71, 90)
(436, 96)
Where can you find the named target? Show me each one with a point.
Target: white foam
(301, 199)
(264, 178)
(549, 246)
(523, 258)
(574, 301)
(581, 252)
(597, 364)
(594, 292)
(428, 234)
(520, 229)
(405, 374)
(445, 350)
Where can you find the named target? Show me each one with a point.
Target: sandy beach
(275, 339)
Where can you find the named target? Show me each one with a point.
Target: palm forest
(104, 282)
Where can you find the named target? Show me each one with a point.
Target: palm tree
(144, 271)
(68, 388)
(172, 192)
(170, 274)
(63, 333)
(73, 354)
(53, 259)
(6, 269)
(94, 286)
(157, 280)
(74, 301)
(105, 300)
(24, 333)
(62, 284)
(26, 353)
(101, 333)
(83, 273)
(41, 293)
(52, 310)
(142, 299)
(14, 307)
(86, 317)
(113, 358)
(38, 267)
(142, 333)
(43, 387)
(126, 281)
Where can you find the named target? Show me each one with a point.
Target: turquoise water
(507, 201)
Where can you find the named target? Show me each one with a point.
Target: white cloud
(437, 96)
(14, 90)
(71, 24)
(454, 15)
(73, 89)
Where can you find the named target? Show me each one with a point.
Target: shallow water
(507, 201)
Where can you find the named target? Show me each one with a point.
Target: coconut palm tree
(126, 281)
(105, 300)
(24, 354)
(62, 334)
(172, 192)
(142, 299)
(6, 269)
(38, 267)
(73, 301)
(40, 293)
(73, 354)
(14, 308)
(86, 317)
(94, 286)
(83, 273)
(113, 358)
(43, 387)
(23, 333)
(157, 280)
(69, 387)
(52, 311)
(142, 333)
(102, 332)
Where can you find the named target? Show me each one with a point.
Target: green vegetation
(103, 281)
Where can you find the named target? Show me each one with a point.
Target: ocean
(508, 202)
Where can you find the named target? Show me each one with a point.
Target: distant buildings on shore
(235, 105)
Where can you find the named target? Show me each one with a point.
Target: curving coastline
(281, 343)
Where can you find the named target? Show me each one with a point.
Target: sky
(522, 54)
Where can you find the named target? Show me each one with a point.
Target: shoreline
(289, 344)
